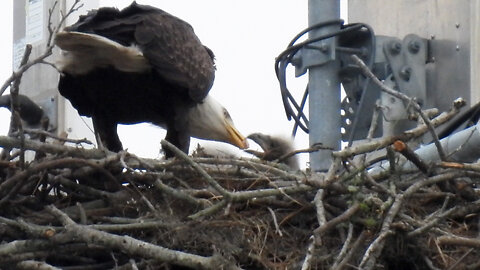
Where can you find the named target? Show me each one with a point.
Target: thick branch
(135, 247)
(9, 142)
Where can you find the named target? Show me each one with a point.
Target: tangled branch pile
(76, 208)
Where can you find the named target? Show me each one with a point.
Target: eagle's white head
(209, 120)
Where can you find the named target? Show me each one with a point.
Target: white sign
(18, 51)
(34, 21)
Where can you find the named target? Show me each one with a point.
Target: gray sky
(245, 36)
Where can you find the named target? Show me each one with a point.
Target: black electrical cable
(302, 105)
(296, 47)
(288, 53)
(313, 27)
(287, 98)
(286, 56)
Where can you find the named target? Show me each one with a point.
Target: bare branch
(408, 100)
(405, 136)
(195, 165)
(136, 247)
(48, 50)
(30, 264)
(409, 154)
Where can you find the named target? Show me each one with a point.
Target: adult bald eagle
(142, 64)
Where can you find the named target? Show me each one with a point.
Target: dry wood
(78, 208)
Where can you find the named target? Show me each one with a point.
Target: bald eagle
(142, 64)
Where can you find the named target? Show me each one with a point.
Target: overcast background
(245, 36)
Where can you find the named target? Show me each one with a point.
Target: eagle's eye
(226, 114)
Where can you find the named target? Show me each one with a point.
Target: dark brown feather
(181, 74)
(169, 43)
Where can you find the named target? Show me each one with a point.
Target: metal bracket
(393, 108)
(407, 60)
(402, 66)
(315, 54)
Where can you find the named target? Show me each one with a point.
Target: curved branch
(135, 247)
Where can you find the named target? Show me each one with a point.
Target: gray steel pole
(324, 85)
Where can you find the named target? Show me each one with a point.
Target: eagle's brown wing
(176, 53)
(167, 42)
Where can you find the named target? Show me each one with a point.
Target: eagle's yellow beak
(235, 138)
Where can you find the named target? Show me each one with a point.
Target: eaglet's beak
(260, 139)
(234, 136)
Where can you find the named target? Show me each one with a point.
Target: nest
(68, 207)
(76, 208)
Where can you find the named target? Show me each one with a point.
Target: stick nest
(68, 207)
(68, 211)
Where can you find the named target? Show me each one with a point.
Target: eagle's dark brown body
(140, 64)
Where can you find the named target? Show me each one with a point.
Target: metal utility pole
(324, 84)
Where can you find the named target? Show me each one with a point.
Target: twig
(337, 220)
(409, 154)
(371, 130)
(135, 247)
(258, 165)
(210, 210)
(408, 100)
(133, 264)
(60, 163)
(376, 247)
(312, 149)
(21, 246)
(307, 262)
(83, 214)
(453, 266)
(31, 264)
(458, 241)
(430, 263)
(369, 179)
(392, 160)
(250, 194)
(345, 247)
(332, 171)
(405, 136)
(25, 64)
(9, 142)
(203, 173)
(53, 136)
(122, 155)
(178, 194)
(15, 122)
(431, 223)
(139, 225)
(48, 50)
(277, 228)
(356, 245)
(92, 192)
(318, 201)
